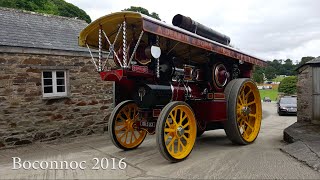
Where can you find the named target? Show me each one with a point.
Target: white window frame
(55, 93)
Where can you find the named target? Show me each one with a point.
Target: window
(54, 83)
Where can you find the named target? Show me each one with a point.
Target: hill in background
(55, 7)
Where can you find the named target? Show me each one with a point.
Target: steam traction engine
(173, 81)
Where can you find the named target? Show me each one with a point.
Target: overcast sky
(273, 29)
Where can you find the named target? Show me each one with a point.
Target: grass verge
(271, 93)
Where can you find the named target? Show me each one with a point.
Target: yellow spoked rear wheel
(249, 111)
(244, 111)
(176, 131)
(122, 126)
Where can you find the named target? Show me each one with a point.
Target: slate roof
(27, 29)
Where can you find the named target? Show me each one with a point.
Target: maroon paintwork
(119, 74)
(210, 110)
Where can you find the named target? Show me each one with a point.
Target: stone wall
(304, 94)
(26, 117)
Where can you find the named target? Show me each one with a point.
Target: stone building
(48, 86)
(304, 135)
(308, 92)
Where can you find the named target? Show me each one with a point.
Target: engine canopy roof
(137, 22)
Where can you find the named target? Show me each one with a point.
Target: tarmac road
(213, 157)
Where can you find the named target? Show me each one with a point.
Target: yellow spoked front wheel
(122, 126)
(244, 111)
(176, 131)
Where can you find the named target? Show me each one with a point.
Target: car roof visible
(289, 97)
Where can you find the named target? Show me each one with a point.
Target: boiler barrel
(188, 24)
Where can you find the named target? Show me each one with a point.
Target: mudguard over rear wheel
(176, 131)
(243, 110)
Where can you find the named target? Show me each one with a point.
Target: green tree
(258, 77)
(288, 62)
(278, 67)
(258, 74)
(143, 11)
(288, 85)
(289, 67)
(270, 72)
(55, 7)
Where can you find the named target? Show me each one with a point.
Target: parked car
(266, 99)
(287, 105)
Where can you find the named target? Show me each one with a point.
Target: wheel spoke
(166, 137)
(246, 96)
(134, 112)
(239, 98)
(168, 130)
(125, 139)
(182, 146)
(245, 118)
(186, 131)
(174, 120)
(250, 103)
(135, 117)
(252, 115)
(129, 112)
(239, 118)
(167, 123)
(240, 123)
(247, 123)
(120, 123)
(242, 96)
(131, 137)
(134, 135)
(245, 134)
(239, 111)
(182, 119)
(185, 137)
(187, 124)
(120, 116)
(125, 113)
(121, 129)
(171, 143)
(172, 117)
(122, 135)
